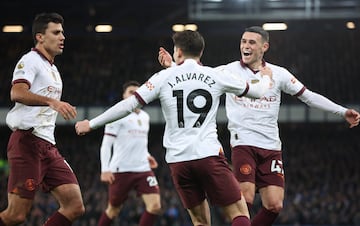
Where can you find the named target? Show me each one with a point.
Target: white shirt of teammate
(44, 79)
(254, 122)
(125, 144)
(189, 95)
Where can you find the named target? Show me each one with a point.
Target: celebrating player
(253, 124)
(189, 96)
(33, 157)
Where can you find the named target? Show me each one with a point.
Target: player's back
(189, 95)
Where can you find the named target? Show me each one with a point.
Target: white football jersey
(189, 95)
(130, 146)
(254, 122)
(44, 79)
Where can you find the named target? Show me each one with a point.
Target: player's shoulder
(164, 73)
(33, 55)
(234, 63)
(228, 65)
(27, 60)
(206, 68)
(279, 71)
(30, 57)
(276, 67)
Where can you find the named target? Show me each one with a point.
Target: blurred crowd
(321, 168)
(95, 67)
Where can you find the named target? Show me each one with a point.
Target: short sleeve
(25, 70)
(150, 90)
(290, 84)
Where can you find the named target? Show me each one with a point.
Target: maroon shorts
(260, 166)
(35, 163)
(142, 182)
(209, 177)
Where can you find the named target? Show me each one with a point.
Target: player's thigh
(25, 161)
(187, 185)
(18, 206)
(152, 202)
(200, 214)
(68, 195)
(272, 196)
(220, 185)
(248, 190)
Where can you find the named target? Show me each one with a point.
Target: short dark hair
(41, 21)
(257, 29)
(130, 83)
(190, 42)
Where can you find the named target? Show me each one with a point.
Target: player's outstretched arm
(352, 117)
(118, 111)
(318, 101)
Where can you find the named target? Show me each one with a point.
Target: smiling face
(252, 48)
(51, 43)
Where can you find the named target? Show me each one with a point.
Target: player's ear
(266, 46)
(39, 37)
(180, 52)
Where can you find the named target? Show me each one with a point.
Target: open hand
(164, 58)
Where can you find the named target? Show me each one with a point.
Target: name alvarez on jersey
(193, 76)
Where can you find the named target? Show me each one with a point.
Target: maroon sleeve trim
(22, 81)
(300, 92)
(140, 99)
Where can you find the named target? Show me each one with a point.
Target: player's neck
(41, 50)
(255, 66)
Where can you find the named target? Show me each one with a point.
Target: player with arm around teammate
(253, 124)
(33, 157)
(129, 166)
(189, 96)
